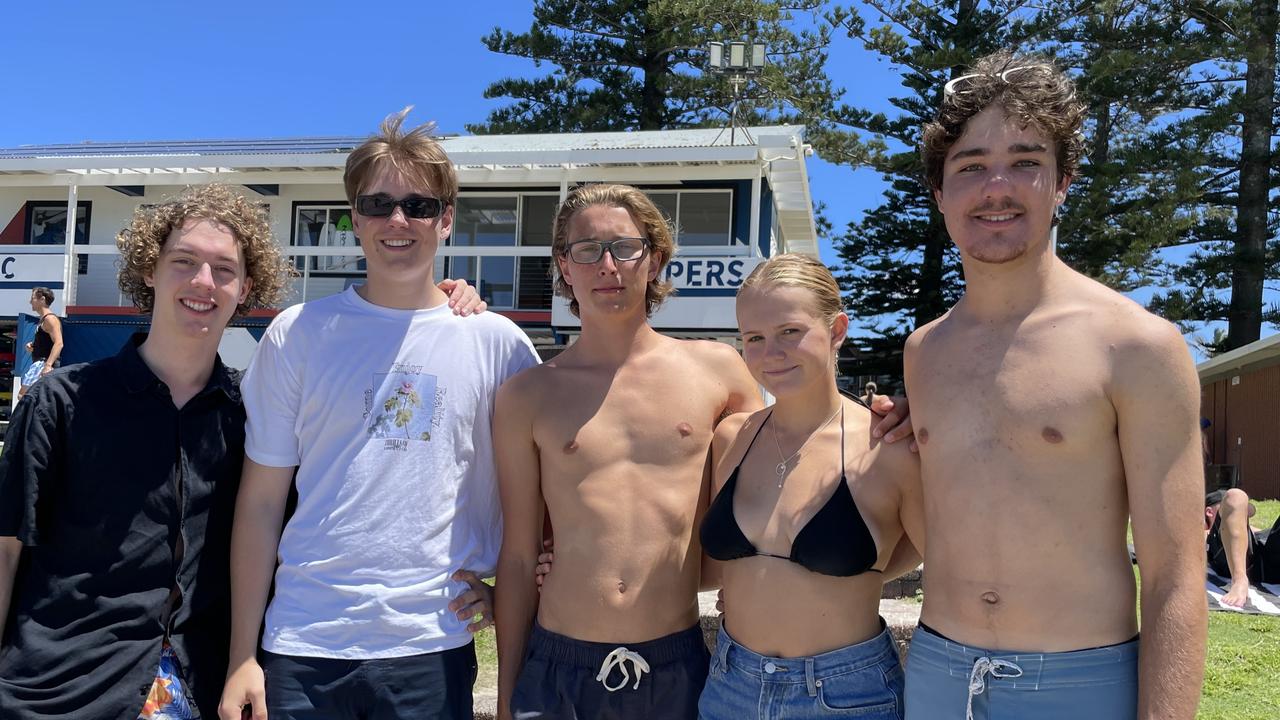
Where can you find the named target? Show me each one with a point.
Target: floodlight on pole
(742, 60)
(715, 54)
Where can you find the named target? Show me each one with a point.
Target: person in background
(46, 348)
(1237, 551)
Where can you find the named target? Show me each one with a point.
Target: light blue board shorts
(947, 680)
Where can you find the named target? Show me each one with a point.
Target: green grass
(487, 661)
(1242, 671)
(1268, 511)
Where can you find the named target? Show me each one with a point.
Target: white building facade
(730, 204)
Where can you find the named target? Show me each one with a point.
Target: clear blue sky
(77, 70)
(88, 70)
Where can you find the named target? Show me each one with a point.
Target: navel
(1051, 435)
(570, 447)
(622, 587)
(990, 597)
(685, 429)
(922, 435)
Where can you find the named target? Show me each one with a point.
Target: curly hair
(140, 244)
(1028, 88)
(646, 215)
(413, 153)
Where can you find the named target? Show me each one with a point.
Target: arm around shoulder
(1155, 393)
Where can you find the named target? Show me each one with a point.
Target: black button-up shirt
(107, 485)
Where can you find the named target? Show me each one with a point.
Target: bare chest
(1034, 395)
(650, 421)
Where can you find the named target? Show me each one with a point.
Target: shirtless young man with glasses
(610, 439)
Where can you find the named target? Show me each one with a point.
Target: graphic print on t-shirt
(403, 405)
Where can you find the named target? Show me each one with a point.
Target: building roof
(465, 144)
(156, 148)
(638, 157)
(1256, 355)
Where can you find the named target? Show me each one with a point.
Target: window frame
(29, 210)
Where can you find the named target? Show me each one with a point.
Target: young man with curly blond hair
(380, 401)
(1051, 413)
(119, 477)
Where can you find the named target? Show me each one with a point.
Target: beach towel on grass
(1264, 598)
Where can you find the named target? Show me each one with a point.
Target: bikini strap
(753, 437)
(842, 438)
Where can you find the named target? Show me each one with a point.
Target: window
(327, 225)
(47, 225)
(704, 219)
(700, 218)
(486, 221)
(534, 288)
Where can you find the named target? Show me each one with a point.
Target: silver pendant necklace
(781, 468)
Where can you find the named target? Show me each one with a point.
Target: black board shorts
(1262, 556)
(568, 679)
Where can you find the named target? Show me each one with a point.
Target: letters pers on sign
(709, 276)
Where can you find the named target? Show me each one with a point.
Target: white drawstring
(978, 677)
(618, 658)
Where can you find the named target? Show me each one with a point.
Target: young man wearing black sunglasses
(379, 399)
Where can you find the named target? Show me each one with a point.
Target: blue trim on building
(766, 217)
(706, 292)
(28, 285)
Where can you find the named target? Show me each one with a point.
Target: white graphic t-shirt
(386, 413)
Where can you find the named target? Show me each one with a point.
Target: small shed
(1240, 395)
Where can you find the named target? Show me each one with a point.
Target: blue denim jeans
(434, 686)
(859, 681)
(947, 680)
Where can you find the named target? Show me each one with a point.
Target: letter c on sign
(4, 267)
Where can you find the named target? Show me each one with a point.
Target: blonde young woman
(808, 510)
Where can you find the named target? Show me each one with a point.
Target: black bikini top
(835, 541)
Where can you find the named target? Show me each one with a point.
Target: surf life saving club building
(732, 203)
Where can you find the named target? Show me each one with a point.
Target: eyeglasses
(588, 252)
(955, 86)
(415, 207)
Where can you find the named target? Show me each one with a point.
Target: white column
(755, 212)
(69, 271)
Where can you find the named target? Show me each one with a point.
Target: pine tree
(638, 64)
(1235, 246)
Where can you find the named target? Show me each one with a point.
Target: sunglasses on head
(962, 84)
(413, 206)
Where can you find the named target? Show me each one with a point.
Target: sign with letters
(23, 267)
(704, 300)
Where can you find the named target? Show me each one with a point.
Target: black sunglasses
(415, 207)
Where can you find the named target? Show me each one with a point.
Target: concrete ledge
(901, 615)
